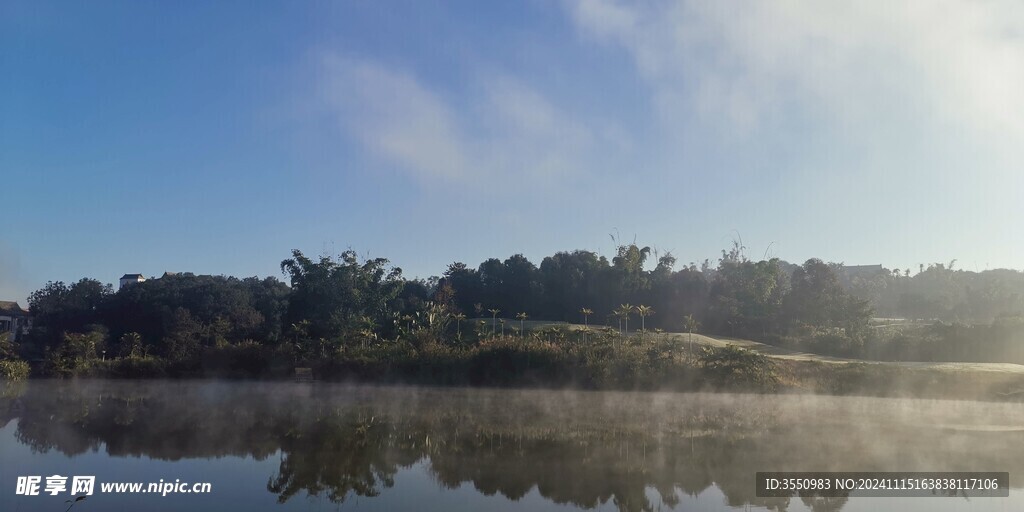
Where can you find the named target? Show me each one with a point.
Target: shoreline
(811, 378)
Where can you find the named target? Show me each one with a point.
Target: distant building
(131, 278)
(14, 320)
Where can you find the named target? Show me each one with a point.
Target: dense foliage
(939, 291)
(345, 316)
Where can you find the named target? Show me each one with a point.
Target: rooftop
(11, 307)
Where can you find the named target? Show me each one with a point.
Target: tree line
(940, 291)
(344, 298)
(333, 304)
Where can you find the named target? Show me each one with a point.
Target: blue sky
(216, 137)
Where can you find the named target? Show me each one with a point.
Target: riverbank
(895, 380)
(658, 363)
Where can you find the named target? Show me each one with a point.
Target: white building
(131, 278)
(14, 320)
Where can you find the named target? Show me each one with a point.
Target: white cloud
(528, 136)
(903, 121)
(396, 117)
(505, 129)
(923, 65)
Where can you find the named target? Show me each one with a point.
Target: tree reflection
(580, 449)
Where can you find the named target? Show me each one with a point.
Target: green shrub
(508, 361)
(733, 366)
(245, 359)
(13, 370)
(138, 367)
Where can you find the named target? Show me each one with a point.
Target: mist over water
(293, 446)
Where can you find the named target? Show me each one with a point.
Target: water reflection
(578, 448)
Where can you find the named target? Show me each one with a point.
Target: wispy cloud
(904, 120)
(503, 129)
(954, 63)
(396, 117)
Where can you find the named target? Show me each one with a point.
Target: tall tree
(625, 310)
(746, 296)
(494, 320)
(644, 311)
(522, 321)
(817, 299)
(586, 312)
(691, 324)
(333, 295)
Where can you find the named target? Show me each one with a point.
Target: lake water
(302, 446)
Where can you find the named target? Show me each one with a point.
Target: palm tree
(502, 322)
(459, 317)
(619, 313)
(691, 325)
(367, 334)
(586, 312)
(368, 331)
(494, 320)
(131, 344)
(644, 312)
(625, 310)
(522, 318)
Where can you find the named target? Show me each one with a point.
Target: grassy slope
(796, 355)
(816, 373)
(788, 354)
